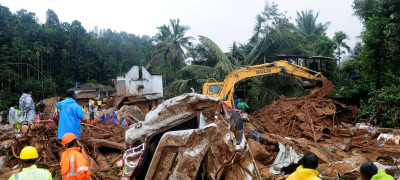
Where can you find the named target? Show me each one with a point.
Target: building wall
(158, 84)
(130, 83)
(121, 85)
(133, 73)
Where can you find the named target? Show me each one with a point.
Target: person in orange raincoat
(74, 165)
(308, 170)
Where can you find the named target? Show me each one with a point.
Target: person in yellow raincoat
(307, 171)
(370, 172)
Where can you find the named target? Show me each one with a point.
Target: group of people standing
(25, 112)
(95, 105)
(74, 164)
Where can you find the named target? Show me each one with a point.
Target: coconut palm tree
(340, 44)
(218, 66)
(307, 24)
(171, 43)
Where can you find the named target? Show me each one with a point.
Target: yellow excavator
(225, 90)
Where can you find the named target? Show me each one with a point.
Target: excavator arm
(225, 90)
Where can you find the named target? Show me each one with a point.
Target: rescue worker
(70, 116)
(27, 107)
(370, 172)
(99, 103)
(242, 106)
(91, 105)
(307, 171)
(74, 165)
(30, 171)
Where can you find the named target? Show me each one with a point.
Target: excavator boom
(224, 90)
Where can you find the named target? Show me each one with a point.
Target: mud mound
(310, 116)
(103, 142)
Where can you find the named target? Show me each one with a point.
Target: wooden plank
(105, 143)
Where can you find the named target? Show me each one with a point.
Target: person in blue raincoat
(70, 116)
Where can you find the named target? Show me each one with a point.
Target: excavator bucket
(325, 88)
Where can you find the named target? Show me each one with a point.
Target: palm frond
(178, 87)
(223, 62)
(279, 39)
(199, 71)
(269, 88)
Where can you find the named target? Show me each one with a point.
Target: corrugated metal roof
(92, 86)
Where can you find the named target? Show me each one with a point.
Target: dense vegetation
(51, 57)
(377, 60)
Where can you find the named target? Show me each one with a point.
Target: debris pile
(289, 127)
(50, 106)
(103, 142)
(303, 117)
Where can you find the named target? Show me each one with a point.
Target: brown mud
(102, 160)
(321, 125)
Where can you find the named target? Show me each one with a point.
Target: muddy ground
(323, 126)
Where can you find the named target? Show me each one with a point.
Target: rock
(119, 163)
(343, 147)
(258, 150)
(331, 149)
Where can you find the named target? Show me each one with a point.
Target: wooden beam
(109, 144)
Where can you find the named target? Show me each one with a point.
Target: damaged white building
(139, 87)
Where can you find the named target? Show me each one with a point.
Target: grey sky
(224, 21)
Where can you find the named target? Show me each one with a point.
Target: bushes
(383, 106)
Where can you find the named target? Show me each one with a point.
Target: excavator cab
(212, 87)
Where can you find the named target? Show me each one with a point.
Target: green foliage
(193, 76)
(140, 86)
(274, 34)
(56, 54)
(267, 89)
(387, 99)
(307, 24)
(170, 44)
(339, 44)
(376, 60)
(67, 53)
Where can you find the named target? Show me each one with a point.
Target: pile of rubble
(280, 133)
(103, 142)
(303, 117)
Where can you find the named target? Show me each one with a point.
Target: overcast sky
(224, 21)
